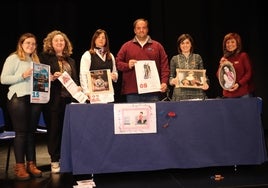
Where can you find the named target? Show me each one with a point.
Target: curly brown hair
(47, 43)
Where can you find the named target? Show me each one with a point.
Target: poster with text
(72, 87)
(40, 83)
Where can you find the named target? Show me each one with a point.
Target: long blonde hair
(20, 52)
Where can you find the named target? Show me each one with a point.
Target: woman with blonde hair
(17, 72)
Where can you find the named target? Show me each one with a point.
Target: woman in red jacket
(232, 53)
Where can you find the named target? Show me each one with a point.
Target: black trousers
(54, 113)
(24, 118)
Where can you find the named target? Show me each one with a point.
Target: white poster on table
(40, 83)
(147, 77)
(134, 118)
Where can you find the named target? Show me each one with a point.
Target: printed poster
(147, 77)
(100, 86)
(40, 83)
(72, 87)
(134, 118)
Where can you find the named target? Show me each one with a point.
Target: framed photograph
(227, 75)
(190, 78)
(99, 81)
(135, 118)
(100, 86)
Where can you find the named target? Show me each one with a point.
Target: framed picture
(227, 75)
(99, 81)
(135, 118)
(190, 78)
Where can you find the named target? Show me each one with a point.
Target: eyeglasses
(29, 43)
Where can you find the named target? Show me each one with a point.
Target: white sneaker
(55, 167)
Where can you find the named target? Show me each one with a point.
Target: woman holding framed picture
(184, 65)
(238, 66)
(95, 65)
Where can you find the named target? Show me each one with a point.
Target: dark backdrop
(206, 20)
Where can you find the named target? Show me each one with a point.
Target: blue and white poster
(40, 83)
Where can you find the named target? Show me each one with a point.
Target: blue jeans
(247, 95)
(147, 97)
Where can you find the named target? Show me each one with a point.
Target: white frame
(221, 74)
(105, 74)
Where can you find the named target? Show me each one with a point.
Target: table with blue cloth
(213, 132)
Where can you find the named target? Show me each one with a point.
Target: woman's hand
(205, 86)
(234, 87)
(27, 73)
(55, 76)
(223, 59)
(173, 81)
(79, 88)
(113, 76)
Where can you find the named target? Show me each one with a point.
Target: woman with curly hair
(57, 50)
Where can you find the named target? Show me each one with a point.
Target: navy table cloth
(213, 132)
